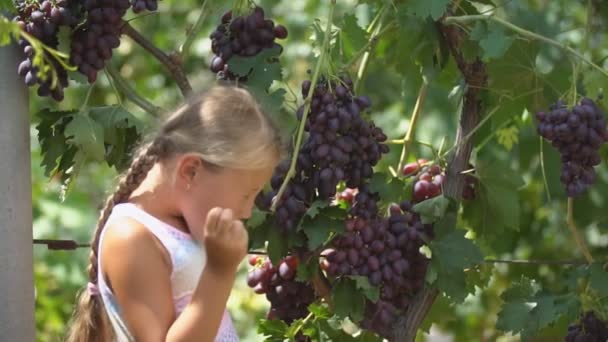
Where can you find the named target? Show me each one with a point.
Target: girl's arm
(139, 269)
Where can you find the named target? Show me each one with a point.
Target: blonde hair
(228, 128)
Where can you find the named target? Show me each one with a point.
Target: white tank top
(188, 259)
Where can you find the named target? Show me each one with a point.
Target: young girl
(169, 241)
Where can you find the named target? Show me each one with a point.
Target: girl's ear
(187, 168)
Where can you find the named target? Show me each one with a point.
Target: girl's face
(206, 188)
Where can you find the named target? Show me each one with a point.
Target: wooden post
(16, 251)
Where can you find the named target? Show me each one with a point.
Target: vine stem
(413, 122)
(523, 32)
(296, 149)
(172, 66)
(130, 93)
(370, 43)
(191, 33)
(580, 242)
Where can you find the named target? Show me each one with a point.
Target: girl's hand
(225, 239)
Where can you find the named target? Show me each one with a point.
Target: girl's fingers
(213, 217)
(225, 221)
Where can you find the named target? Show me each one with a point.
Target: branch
(313, 84)
(523, 32)
(130, 93)
(409, 135)
(191, 33)
(475, 75)
(580, 242)
(537, 262)
(174, 68)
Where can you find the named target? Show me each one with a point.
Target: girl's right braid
(128, 183)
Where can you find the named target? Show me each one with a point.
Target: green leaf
(306, 270)
(371, 292)
(496, 43)
(57, 154)
(451, 255)
(520, 290)
(347, 300)
(320, 310)
(257, 218)
(316, 207)
(87, 135)
(353, 37)
(260, 69)
(321, 229)
(513, 317)
(501, 183)
(273, 329)
(527, 311)
(112, 117)
(390, 189)
(259, 234)
(598, 279)
(426, 8)
(263, 75)
(277, 246)
(432, 209)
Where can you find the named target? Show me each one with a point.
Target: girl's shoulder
(127, 241)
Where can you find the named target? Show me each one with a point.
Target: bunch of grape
(340, 146)
(429, 180)
(142, 5)
(289, 298)
(42, 20)
(589, 329)
(386, 251)
(93, 42)
(246, 36)
(577, 134)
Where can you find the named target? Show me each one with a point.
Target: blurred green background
(542, 235)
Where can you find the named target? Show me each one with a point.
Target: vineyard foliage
(434, 145)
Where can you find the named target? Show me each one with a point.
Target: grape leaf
(306, 270)
(508, 136)
(451, 255)
(595, 84)
(260, 69)
(263, 75)
(501, 183)
(347, 300)
(390, 189)
(319, 310)
(257, 218)
(116, 116)
(371, 292)
(53, 142)
(497, 203)
(241, 65)
(320, 229)
(432, 209)
(353, 37)
(6, 6)
(426, 8)
(258, 235)
(8, 29)
(598, 279)
(277, 246)
(527, 310)
(87, 135)
(316, 207)
(272, 329)
(513, 317)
